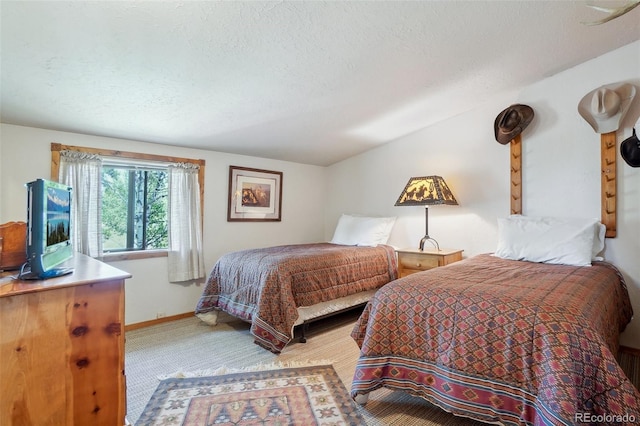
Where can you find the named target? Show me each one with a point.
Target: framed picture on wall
(254, 195)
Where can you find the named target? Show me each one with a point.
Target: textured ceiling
(312, 82)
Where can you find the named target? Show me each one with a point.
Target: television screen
(48, 229)
(58, 216)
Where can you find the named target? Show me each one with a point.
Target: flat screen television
(48, 229)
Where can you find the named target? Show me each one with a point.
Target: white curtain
(186, 261)
(83, 173)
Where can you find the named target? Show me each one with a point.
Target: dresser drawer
(411, 261)
(417, 261)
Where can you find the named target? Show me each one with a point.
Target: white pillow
(568, 241)
(599, 230)
(598, 241)
(362, 231)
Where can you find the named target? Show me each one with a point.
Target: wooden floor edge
(157, 321)
(631, 351)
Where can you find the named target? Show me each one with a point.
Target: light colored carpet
(189, 345)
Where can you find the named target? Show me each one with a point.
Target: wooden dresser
(62, 347)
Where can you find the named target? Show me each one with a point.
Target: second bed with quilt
(275, 288)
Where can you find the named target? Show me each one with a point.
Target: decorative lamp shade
(425, 191)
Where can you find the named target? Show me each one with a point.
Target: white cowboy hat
(605, 107)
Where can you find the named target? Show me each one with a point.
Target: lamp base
(431, 240)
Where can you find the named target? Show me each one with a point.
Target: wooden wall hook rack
(516, 174)
(608, 182)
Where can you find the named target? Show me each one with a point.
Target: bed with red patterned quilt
(268, 286)
(506, 341)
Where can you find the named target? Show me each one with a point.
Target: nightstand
(413, 260)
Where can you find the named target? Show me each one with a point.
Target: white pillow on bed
(362, 231)
(567, 241)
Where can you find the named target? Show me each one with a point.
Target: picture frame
(255, 195)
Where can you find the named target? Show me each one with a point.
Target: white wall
(26, 155)
(561, 171)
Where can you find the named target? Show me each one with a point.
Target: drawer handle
(418, 264)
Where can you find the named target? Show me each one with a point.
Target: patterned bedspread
(266, 286)
(503, 341)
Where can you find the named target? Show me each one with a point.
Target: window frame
(140, 254)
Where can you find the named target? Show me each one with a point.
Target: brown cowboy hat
(605, 107)
(511, 122)
(630, 149)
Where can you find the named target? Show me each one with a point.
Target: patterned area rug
(290, 396)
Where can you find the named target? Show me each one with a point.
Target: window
(134, 200)
(134, 207)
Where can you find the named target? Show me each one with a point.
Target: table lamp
(426, 191)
